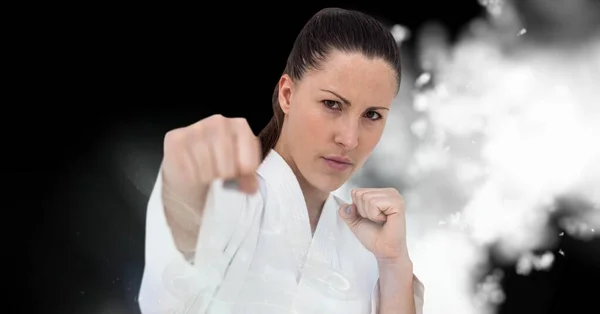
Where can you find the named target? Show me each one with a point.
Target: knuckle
(242, 122)
(245, 169)
(246, 165)
(242, 127)
(219, 129)
(370, 200)
(174, 138)
(360, 194)
(216, 117)
(215, 121)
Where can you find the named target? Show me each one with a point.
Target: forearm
(396, 294)
(183, 218)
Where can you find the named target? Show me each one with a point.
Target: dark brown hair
(331, 29)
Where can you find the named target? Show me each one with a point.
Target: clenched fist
(194, 156)
(377, 218)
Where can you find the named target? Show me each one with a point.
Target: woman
(227, 233)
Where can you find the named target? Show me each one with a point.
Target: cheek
(369, 140)
(309, 123)
(373, 136)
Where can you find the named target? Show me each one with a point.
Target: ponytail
(270, 133)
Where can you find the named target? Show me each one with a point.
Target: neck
(313, 197)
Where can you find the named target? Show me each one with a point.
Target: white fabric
(256, 254)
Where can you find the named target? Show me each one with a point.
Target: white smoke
(498, 131)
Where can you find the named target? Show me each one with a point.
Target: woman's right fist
(213, 148)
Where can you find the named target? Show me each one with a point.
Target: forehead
(369, 81)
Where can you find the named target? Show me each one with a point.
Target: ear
(286, 86)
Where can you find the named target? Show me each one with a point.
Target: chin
(327, 182)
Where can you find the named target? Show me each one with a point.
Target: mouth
(337, 164)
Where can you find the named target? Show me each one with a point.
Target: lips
(338, 164)
(339, 159)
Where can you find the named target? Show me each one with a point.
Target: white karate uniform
(256, 254)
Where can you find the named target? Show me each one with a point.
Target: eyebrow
(347, 102)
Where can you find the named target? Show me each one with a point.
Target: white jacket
(256, 254)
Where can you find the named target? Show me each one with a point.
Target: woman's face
(337, 112)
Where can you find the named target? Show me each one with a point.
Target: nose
(346, 135)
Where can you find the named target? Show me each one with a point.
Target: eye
(332, 104)
(373, 115)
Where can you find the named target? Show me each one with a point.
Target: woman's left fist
(376, 216)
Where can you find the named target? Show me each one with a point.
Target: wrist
(397, 264)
